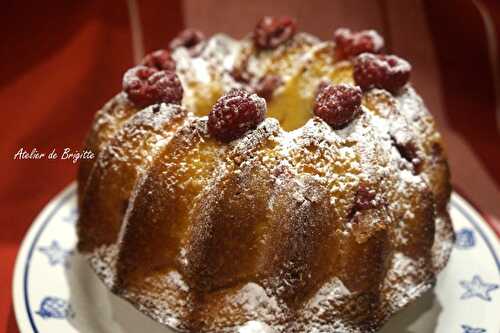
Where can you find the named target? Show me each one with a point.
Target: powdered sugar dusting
(254, 326)
(311, 177)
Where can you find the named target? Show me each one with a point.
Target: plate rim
(22, 309)
(23, 315)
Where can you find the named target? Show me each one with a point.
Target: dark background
(62, 60)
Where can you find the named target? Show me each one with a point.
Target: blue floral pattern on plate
(72, 216)
(477, 288)
(469, 329)
(56, 254)
(55, 308)
(465, 238)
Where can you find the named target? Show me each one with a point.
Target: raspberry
(267, 85)
(381, 71)
(235, 113)
(407, 149)
(349, 44)
(160, 60)
(338, 105)
(271, 32)
(365, 198)
(146, 86)
(190, 39)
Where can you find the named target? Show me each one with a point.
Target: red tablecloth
(62, 60)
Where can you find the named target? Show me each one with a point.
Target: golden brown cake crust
(266, 231)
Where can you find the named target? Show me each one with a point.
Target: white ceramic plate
(55, 291)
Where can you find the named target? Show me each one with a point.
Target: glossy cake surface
(293, 227)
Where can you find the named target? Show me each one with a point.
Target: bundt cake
(277, 183)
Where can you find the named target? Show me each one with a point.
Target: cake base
(112, 314)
